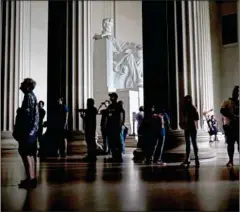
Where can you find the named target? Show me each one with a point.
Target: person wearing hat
(115, 121)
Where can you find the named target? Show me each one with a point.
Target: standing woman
(29, 127)
(191, 118)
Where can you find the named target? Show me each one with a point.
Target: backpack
(18, 130)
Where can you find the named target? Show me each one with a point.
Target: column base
(8, 142)
(178, 153)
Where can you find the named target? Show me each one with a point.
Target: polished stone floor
(68, 185)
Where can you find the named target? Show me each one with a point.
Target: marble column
(184, 48)
(177, 70)
(19, 59)
(209, 48)
(206, 56)
(199, 70)
(10, 69)
(197, 58)
(191, 50)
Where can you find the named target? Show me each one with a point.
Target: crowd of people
(152, 128)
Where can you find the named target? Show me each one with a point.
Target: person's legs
(230, 150)
(29, 160)
(63, 143)
(193, 135)
(157, 149)
(92, 149)
(119, 146)
(31, 167)
(25, 163)
(230, 140)
(91, 145)
(104, 137)
(65, 146)
(187, 139)
(151, 148)
(122, 141)
(115, 143)
(162, 148)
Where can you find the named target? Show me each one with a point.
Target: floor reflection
(104, 186)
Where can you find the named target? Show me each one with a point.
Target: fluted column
(5, 66)
(17, 37)
(209, 49)
(206, 55)
(16, 55)
(177, 70)
(197, 58)
(204, 77)
(191, 50)
(9, 68)
(74, 65)
(184, 49)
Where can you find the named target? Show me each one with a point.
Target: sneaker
(185, 164)
(161, 163)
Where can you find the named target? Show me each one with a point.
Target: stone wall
(225, 58)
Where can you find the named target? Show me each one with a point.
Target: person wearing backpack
(25, 132)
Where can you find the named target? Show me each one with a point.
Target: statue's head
(107, 25)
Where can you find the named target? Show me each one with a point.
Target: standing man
(191, 118)
(42, 113)
(28, 125)
(230, 111)
(115, 119)
(90, 120)
(61, 126)
(103, 125)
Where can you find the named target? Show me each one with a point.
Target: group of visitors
(153, 126)
(112, 127)
(152, 130)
